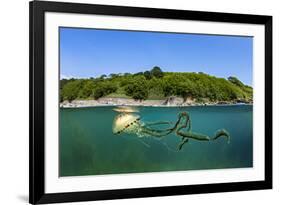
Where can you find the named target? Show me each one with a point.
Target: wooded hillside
(155, 84)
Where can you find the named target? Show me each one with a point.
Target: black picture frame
(37, 194)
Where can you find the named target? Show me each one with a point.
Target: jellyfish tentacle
(197, 136)
(150, 125)
(184, 140)
(160, 133)
(189, 125)
(222, 133)
(157, 123)
(193, 135)
(154, 132)
(188, 135)
(144, 143)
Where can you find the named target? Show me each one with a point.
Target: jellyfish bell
(126, 122)
(131, 123)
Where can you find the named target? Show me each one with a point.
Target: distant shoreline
(169, 102)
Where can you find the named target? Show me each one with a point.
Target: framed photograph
(141, 102)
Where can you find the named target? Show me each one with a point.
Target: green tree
(169, 87)
(138, 90)
(86, 89)
(147, 75)
(127, 74)
(235, 81)
(113, 75)
(63, 82)
(71, 89)
(183, 90)
(157, 72)
(139, 73)
(103, 89)
(103, 76)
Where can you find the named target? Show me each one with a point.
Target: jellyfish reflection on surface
(130, 122)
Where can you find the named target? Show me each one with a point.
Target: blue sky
(88, 53)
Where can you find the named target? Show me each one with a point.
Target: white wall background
(14, 100)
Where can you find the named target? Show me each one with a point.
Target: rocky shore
(171, 101)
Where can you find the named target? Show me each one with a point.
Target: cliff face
(177, 101)
(112, 102)
(173, 101)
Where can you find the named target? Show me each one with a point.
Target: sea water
(87, 145)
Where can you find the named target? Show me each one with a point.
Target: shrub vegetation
(155, 84)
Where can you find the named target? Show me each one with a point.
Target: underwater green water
(88, 146)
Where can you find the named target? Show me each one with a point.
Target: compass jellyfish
(131, 123)
(128, 121)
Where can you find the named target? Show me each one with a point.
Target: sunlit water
(88, 146)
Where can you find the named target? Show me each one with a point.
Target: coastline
(169, 102)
